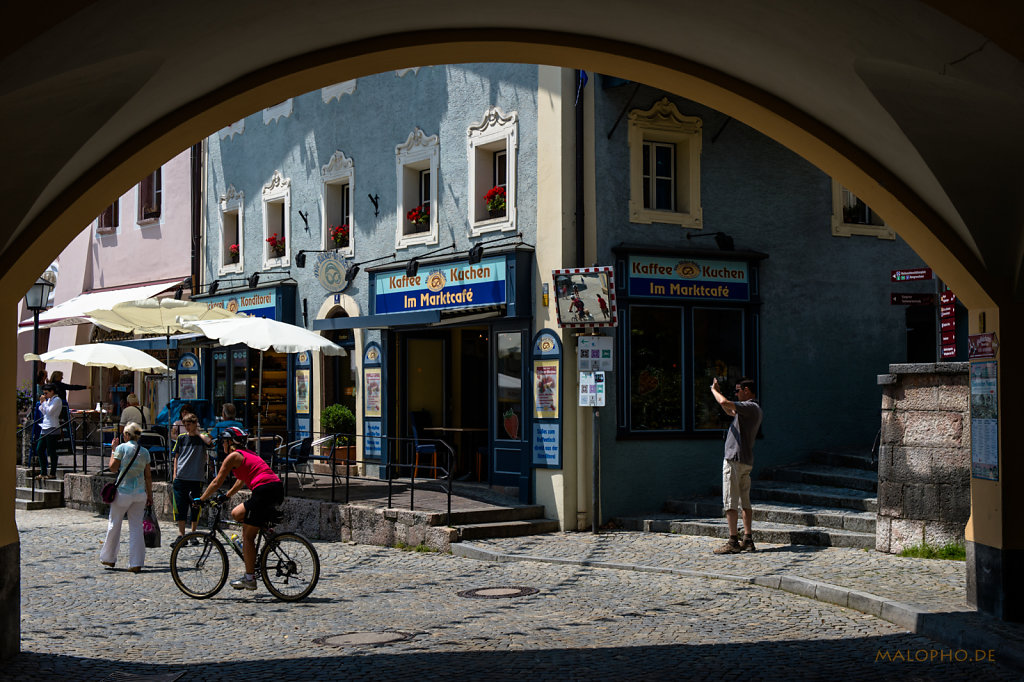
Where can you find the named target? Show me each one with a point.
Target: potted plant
(495, 200)
(233, 253)
(276, 245)
(339, 235)
(419, 215)
(338, 419)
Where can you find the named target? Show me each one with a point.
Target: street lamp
(37, 300)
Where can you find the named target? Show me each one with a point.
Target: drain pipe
(581, 431)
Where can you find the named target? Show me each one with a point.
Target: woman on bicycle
(267, 495)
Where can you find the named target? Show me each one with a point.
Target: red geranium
(276, 244)
(233, 249)
(419, 215)
(339, 235)
(495, 199)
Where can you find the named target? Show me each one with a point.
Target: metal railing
(442, 468)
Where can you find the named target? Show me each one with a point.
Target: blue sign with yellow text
(446, 286)
(688, 278)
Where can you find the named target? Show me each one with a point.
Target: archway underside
(916, 222)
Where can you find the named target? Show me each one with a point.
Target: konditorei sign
(688, 278)
(262, 303)
(444, 286)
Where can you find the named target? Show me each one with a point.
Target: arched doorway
(884, 114)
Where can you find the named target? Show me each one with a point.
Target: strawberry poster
(545, 389)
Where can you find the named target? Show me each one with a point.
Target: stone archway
(876, 95)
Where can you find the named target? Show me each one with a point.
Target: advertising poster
(372, 379)
(984, 421)
(302, 391)
(188, 386)
(545, 389)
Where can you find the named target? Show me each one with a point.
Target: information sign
(912, 299)
(595, 353)
(914, 275)
(591, 389)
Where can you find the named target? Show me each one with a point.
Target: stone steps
(821, 474)
(779, 512)
(506, 529)
(773, 533)
(829, 501)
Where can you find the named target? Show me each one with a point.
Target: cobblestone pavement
(933, 584)
(80, 621)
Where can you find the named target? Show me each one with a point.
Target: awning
(73, 311)
(162, 342)
(423, 318)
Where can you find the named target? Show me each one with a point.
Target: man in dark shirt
(739, 460)
(189, 471)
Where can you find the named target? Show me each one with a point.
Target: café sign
(688, 278)
(445, 286)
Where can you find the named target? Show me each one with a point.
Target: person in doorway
(131, 412)
(49, 407)
(134, 494)
(188, 471)
(739, 460)
(267, 495)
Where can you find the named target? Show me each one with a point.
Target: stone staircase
(830, 501)
(502, 522)
(48, 493)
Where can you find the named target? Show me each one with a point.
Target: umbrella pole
(259, 407)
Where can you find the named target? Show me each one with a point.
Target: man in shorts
(261, 507)
(739, 460)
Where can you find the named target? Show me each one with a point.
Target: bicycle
(287, 562)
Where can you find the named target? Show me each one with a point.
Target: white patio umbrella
(102, 355)
(156, 316)
(261, 333)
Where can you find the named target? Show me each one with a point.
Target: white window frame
(840, 228)
(497, 132)
(339, 170)
(231, 201)
(664, 123)
(418, 153)
(277, 190)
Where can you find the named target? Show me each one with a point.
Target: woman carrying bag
(134, 494)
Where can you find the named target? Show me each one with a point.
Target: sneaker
(748, 544)
(731, 547)
(243, 584)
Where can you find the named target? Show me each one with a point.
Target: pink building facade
(144, 238)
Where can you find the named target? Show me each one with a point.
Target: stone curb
(907, 616)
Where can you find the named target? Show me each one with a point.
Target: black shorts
(262, 506)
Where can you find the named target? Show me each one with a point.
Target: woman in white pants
(134, 493)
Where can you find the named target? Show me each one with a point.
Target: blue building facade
(415, 217)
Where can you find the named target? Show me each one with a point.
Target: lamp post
(37, 300)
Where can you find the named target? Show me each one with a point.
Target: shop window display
(656, 397)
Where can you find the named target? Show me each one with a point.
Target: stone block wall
(924, 458)
(316, 519)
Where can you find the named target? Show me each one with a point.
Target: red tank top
(253, 471)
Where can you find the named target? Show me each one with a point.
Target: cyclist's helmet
(234, 434)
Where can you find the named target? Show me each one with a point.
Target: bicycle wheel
(290, 566)
(199, 570)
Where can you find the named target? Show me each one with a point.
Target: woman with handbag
(134, 492)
